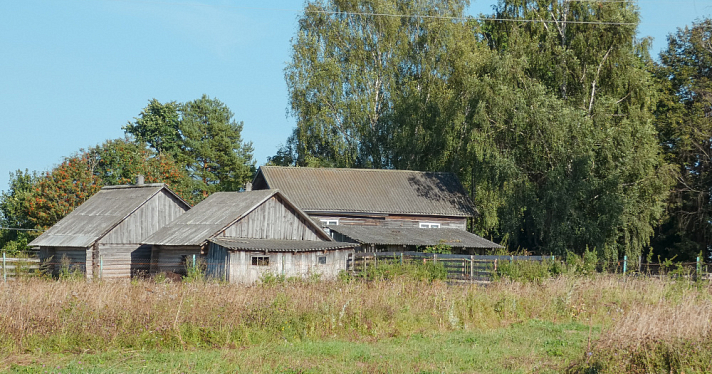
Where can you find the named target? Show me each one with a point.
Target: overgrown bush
(387, 269)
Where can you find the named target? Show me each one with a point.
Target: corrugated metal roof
(215, 213)
(271, 245)
(369, 190)
(413, 236)
(97, 216)
(208, 217)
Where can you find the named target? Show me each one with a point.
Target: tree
(213, 151)
(158, 125)
(19, 229)
(547, 124)
(203, 137)
(38, 201)
(683, 119)
(350, 68)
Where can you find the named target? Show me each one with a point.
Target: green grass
(533, 346)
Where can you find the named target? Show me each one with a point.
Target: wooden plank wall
(51, 257)
(217, 261)
(172, 259)
(395, 221)
(156, 213)
(272, 220)
(288, 264)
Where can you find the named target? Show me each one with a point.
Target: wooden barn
(388, 198)
(265, 215)
(382, 210)
(391, 239)
(103, 237)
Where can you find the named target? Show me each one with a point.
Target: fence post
(401, 259)
(640, 261)
(4, 269)
(698, 265)
(625, 263)
(435, 258)
(193, 261)
(472, 268)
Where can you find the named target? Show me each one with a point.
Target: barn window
(329, 222)
(322, 260)
(260, 260)
(429, 225)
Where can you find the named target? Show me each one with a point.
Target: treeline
(564, 130)
(194, 147)
(553, 114)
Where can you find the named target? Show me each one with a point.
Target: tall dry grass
(39, 315)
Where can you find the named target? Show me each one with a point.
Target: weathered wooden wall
(156, 213)
(272, 220)
(217, 261)
(394, 221)
(236, 266)
(172, 258)
(76, 258)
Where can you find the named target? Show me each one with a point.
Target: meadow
(579, 324)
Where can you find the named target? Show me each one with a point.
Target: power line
(467, 18)
(404, 15)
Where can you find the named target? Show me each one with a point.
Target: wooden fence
(13, 267)
(470, 268)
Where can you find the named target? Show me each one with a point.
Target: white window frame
(258, 260)
(329, 222)
(429, 225)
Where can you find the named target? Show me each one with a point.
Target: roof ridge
(120, 186)
(355, 169)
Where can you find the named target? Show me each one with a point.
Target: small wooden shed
(265, 214)
(248, 260)
(103, 237)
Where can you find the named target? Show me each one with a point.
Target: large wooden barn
(268, 225)
(103, 237)
(382, 210)
(388, 198)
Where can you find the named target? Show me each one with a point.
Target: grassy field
(572, 324)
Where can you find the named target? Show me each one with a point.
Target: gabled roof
(323, 190)
(272, 245)
(213, 215)
(378, 235)
(97, 216)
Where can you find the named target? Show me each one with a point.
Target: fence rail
(458, 267)
(12, 267)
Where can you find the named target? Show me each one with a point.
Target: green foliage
(13, 213)
(441, 248)
(549, 126)
(213, 151)
(388, 269)
(685, 130)
(528, 271)
(69, 271)
(202, 136)
(195, 272)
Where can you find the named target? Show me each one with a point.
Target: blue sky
(75, 71)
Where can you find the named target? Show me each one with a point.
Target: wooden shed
(388, 198)
(103, 237)
(265, 214)
(248, 260)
